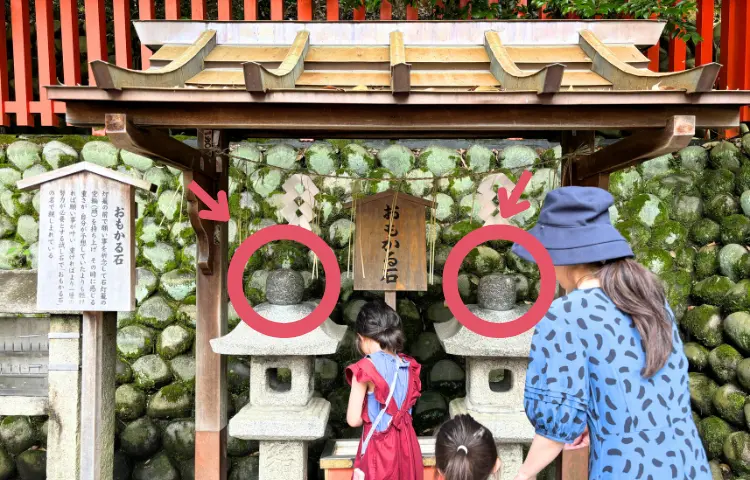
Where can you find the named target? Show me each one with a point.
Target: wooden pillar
(390, 299)
(99, 333)
(574, 464)
(210, 368)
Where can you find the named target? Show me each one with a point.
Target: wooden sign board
(86, 239)
(405, 247)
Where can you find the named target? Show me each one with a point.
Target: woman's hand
(582, 441)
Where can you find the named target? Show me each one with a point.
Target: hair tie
(463, 447)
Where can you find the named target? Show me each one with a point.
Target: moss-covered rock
(32, 465)
(647, 208)
(155, 312)
(714, 431)
(668, 235)
(101, 153)
(11, 255)
(456, 231)
(721, 206)
(179, 439)
(322, 158)
(326, 375)
(7, 465)
(697, 356)
(743, 374)
(183, 368)
(23, 154)
(140, 438)
(238, 375)
(518, 157)
(731, 261)
(725, 155)
(637, 234)
(705, 231)
(357, 158)
(265, 181)
(160, 177)
(139, 162)
(445, 207)
(623, 184)
(483, 260)
(737, 451)
(150, 371)
(145, 284)
(439, 160)
(130, 402)
(738, 297)
(704, 323)
(737, 329)
(687, 209)
(161, 256)
(397, 159)
(426, 349)
(715, 182)
(658, 261)
(693, 158)
(58, 154)
(123, 372)
(134, 341)
(158, 467)
(656, 166)
(16, 434)
(729, 402)
(480, 159)
(178, 284)
(245, 468)
(724, 360)
(735, 229)
(171, 401)
(702, 390)
(173, 341)
(429, 412)
(447, 377)
(712, 290)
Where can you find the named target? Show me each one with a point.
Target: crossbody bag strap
(382, 411)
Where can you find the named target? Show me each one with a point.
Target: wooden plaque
(86, 239)
(407, 255)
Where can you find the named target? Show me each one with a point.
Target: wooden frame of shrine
(384, 80)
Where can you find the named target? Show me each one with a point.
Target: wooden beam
(546, 80)
(174, 74)
(210, 379)
(627, 77)
(379, 121)
(259, 79)
(400, 70)
(156, 144)
(641, 145)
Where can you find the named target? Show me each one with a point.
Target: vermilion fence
(56, 52)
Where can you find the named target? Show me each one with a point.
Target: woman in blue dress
(606, 364)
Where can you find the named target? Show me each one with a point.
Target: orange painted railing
(34, 60)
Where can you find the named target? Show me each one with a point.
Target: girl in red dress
(385, 387)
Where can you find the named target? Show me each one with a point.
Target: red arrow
(508, 204)
(218, 210)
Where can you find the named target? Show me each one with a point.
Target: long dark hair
(465, 450)
(639, 293)
(378, 321)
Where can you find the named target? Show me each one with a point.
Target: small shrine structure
(386, 80)
(283, 420)
(495, 370)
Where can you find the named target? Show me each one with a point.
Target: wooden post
(574, 464)
(98, 395)
(390, 299)
(210, 370)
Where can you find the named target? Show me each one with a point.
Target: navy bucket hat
(575, 228)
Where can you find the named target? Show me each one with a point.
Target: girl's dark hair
(478, 459)
(639, 293)
(378, 321)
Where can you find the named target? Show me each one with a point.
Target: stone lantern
(495, 371)
(284, 419)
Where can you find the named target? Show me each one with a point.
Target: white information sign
(86, 243)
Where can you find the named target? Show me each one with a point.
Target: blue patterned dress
(585, 368)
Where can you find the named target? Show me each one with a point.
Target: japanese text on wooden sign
(86, 262)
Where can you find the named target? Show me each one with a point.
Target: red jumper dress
(394, 453)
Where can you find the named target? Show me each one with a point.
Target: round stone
(16, 434)
(140, 438)
(151, 371)
(32, 465)
(58, 154)
(284, 287)
(171, 401)
(497, 292)
(158, 467)
(179, 438)
(130, 402)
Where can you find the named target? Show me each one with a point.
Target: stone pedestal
(495, 371)
(283, 418)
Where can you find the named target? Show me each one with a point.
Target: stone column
(284, 420)
(495, 371)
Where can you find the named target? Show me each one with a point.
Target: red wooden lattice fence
(23, 101)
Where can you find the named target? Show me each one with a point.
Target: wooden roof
(345, 78)
(37, 180)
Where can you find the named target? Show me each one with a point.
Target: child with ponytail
(385, 387)
(465, 450)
